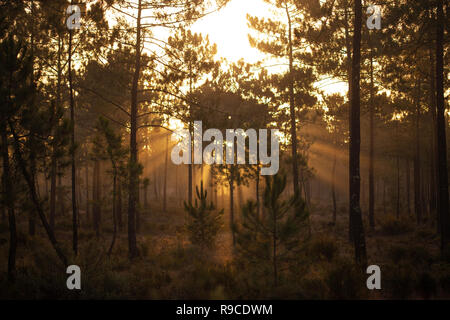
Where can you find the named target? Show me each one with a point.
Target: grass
(170, 267)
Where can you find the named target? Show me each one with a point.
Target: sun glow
(228, 29)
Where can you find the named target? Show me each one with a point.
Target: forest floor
(169, 267)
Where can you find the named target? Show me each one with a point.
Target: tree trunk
(371, 147)
(8, 194)
(72, 153)
(384, 197)
(34, 197)
(3, 212)
(355, 140)
(231, 182)
(87, 191)
(119, 206)
(292, 109)
(333, 187)
(441, 141)
(155, 188)
(31, 216)
(349, 79)
(257, 195)
(113, 241)
(417, 182)
(53, 190)
(165, 176)
(397, 210)
(96, 214)
(134, 175)
(408, 187)
(274, 241)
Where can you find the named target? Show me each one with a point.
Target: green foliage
(204, 221)
(273, 238)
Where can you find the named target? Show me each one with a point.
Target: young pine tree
(272, 239)
(204, 221)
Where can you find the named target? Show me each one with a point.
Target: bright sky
(228, 29)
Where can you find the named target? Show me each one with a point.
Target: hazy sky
(228, 29)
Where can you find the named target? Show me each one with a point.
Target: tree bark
(72, 153)
(165, 175)
(292, 109)
(443, 206)
(333, 186)
(371, 146)
(87, 191)
(355, 141)
(258, 204)
(96, 212)
(231, 182)
(8, 194)
(113, 241)
(417, 182)
(408, 187)
(134, 175)
(119, 206)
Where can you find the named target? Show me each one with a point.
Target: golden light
(228, 29)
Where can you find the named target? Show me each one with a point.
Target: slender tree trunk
(397, 210)
(257, 195)
(87, 191)
(231, 182)
(274, 240)
(292, 109)
(53, 187)
(333, 187)
(349, 79)
(155, 189)
(119, 206)
(72, 153)
(53, 190)
(408, 187)
(443, 206)
(8, 200)
(417, 182)
(113, 241)
(138, 199)
(3, 211)
(96, 214)
(355, 140)
(31, 216)
(371, 147)
(165, 175)
(134, 176)
(61, 202)
(34, 197)
(214, 187)
(384, 197)
(32, 155)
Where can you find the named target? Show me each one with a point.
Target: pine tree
(275, 237)
(116, 154)
(204, 221)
